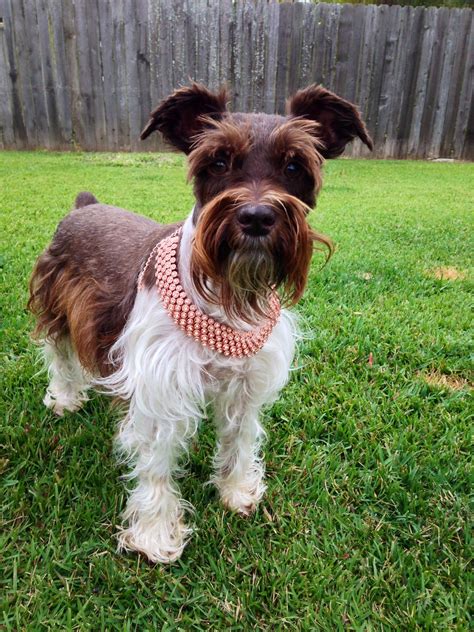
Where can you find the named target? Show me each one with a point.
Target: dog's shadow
(82, 444)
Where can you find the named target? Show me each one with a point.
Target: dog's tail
(84, 198)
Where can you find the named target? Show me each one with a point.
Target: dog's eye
(218, 166)
(292, 169)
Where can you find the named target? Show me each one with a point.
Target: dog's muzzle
(256, 220)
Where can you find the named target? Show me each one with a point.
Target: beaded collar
(194, 323)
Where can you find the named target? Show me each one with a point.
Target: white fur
(169, 379)
(68, 382)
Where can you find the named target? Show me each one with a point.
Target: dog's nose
(256, 220)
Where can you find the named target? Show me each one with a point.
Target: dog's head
(256, 177)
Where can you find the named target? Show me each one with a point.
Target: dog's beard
(248, 276)
(239, 272)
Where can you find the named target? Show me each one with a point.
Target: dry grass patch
(447, 273)
(453, 382)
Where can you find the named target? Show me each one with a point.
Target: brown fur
(245, 269)
(226, 138)
(84, 285)
(339, 120)
(178, 117)
(256, 149)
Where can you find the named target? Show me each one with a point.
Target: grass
(365, 525)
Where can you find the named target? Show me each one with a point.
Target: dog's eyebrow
(225, 134)
(296, 132)
(297, 137)
(221, 137)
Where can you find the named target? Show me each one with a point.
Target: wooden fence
(86, 73)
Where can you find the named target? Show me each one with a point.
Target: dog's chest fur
(152, 345)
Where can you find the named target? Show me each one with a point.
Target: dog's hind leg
(68, 382)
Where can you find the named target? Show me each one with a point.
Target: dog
(172, 318)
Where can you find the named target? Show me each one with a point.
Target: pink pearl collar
(194, 323)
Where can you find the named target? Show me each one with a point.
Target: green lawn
(365, 525)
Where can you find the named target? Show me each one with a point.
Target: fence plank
(396, 89)
(132, 72)
(120, 73)
(109, 83)
(294, 59)
(87, 73)
(444, 81)
(143, 65)
(331, 42)
(45, 68)
(433, 83)
(226, 18)
(71, 63)
(20, 63)
(257, 103)
(385, 111)
(9, 98)
(273, 13)
(343, 50)
(365, 68)
(407, 107)
(463, 131)
(308, 25)
(60, 69)
(283, 55)
(202, 42)
(350, 85)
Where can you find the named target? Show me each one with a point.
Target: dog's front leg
(239, 470)
(154, 511)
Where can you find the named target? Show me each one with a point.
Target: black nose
(256, 220)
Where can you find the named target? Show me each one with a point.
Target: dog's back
(84, 284)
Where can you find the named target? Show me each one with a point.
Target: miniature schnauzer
(170, 318)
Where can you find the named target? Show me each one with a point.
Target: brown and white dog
(172, 317)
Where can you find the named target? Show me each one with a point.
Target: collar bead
(194, 323)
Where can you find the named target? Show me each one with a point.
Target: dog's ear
(182, 115)
(339, 120)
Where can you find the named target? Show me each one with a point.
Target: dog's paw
(242, 500)
(61, 405)
(159, 543)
